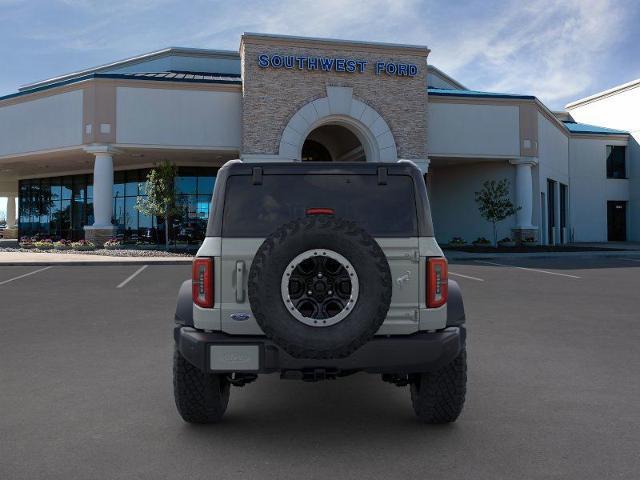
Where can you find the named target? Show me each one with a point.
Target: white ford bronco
(317, 271)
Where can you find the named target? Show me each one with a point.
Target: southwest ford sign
(334, 64)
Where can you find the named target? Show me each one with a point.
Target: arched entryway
(333, 143)
(337, 126)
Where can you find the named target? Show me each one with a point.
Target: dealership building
(74, 149)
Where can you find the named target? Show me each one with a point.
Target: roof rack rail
(404, 160)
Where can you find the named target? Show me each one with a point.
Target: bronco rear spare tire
(320, 287)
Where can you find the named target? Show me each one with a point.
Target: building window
(551, 211)
(616, 163)
(53, 207)
(564, 197)
(60, 207)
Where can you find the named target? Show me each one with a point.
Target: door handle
(239, 281)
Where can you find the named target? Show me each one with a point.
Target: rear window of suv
(387, 210)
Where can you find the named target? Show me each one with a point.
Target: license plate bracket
(234, 358)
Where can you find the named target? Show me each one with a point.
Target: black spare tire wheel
(320, 287)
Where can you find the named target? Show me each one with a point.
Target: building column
(102, 229)
(11, 211)
(11, 232)
(524, 198)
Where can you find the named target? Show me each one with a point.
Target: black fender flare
(184, 306)
(455, 305)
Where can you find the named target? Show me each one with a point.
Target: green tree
(161, 197)
(494, 203)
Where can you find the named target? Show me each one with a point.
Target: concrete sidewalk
(33, 258)
(456, 255)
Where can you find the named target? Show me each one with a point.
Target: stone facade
(98, 236)
(271, 96)
(523, 234)
(9, 233)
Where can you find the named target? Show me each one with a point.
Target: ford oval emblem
(240, 317)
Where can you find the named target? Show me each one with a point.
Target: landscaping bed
(113, 247)
(127, 252)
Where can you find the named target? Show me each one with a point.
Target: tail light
(202, 282)
(437, 282)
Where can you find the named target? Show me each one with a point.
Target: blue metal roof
(575, 127)
(174, 75)
(475, 93)
(188, 77)
(145, 57)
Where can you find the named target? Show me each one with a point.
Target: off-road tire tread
(328, 223)
(438, 397)
(200, 397)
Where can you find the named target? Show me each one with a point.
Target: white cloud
(357, 19)
(546, 48)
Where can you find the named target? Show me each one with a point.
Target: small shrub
(46, 244)
(481, 241)
(83, 245)
(113, 244)
(25, 242)
(457, 241)
(507, 242)
(62, 245)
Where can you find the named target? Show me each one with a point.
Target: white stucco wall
(42, 124)
(452, 197)
(620, 111)
(8, 186)
(190, 118)
(466, 129)
(590, 189)
(553, 164)
(553, 150)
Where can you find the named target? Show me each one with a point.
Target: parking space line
(25, 275)
(132, 276)
(467, 276)
(528, 269)
(632, 259)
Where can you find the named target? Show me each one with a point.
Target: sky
(557, 50)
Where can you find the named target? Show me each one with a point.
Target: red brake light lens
(437, 282)
(320, 211)
(202, 282)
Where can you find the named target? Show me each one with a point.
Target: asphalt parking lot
(554, 370)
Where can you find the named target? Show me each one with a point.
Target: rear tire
(438, 397)
(200, 397)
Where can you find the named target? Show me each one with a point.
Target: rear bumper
(420, 352)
